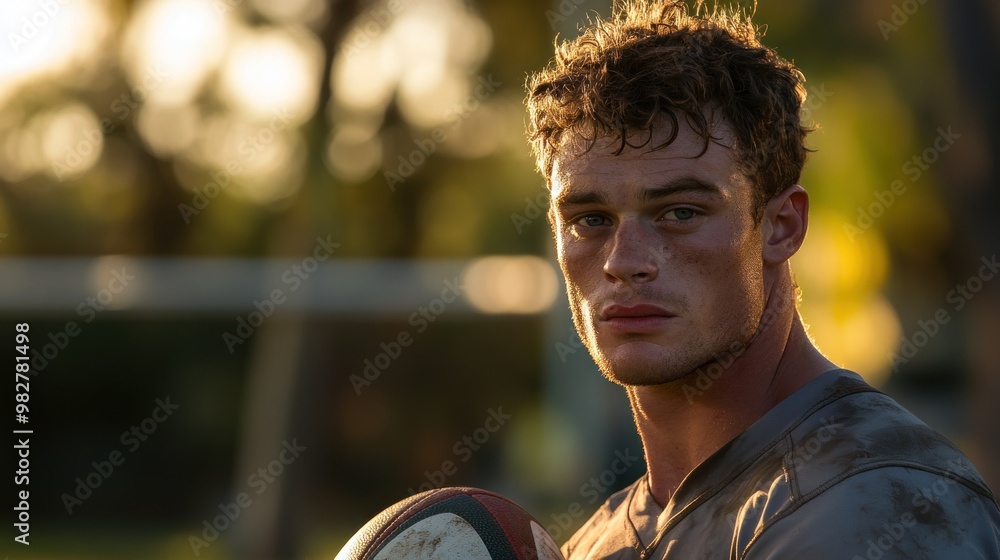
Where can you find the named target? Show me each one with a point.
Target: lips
(636, 318)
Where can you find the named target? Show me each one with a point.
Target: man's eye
(592, 220)
(681, 214)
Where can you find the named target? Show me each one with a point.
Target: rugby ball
(449, 524)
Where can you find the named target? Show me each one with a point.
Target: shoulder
(891, 512)
(866, 431)
(864, 476)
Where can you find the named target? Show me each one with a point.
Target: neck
(683, 422)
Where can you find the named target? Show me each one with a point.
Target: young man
(670, 139)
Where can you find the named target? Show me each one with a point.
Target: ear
(784, 224)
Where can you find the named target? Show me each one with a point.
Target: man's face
(661, 253)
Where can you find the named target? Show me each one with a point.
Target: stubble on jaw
(673, 367)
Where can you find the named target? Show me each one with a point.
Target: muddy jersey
(838, 470)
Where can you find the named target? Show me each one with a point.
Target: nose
(631, 256)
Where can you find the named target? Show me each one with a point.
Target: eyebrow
(686, 184)
(683, 185)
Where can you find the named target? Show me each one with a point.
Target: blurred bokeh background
(286, 262)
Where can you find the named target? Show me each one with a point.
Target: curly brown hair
(660, 58)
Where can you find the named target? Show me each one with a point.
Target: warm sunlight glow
(168, 129)
(511, 284)
(425, 52)
(41, 43)
(354, 152)
(171, 47)
(259, 160)
(841, 279)
(291, 11)
(439, 44)
(21, 149)
(273, 69)
(106, 273)
(71, 142)
(364, 78)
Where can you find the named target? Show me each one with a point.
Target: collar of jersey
(732, 459)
